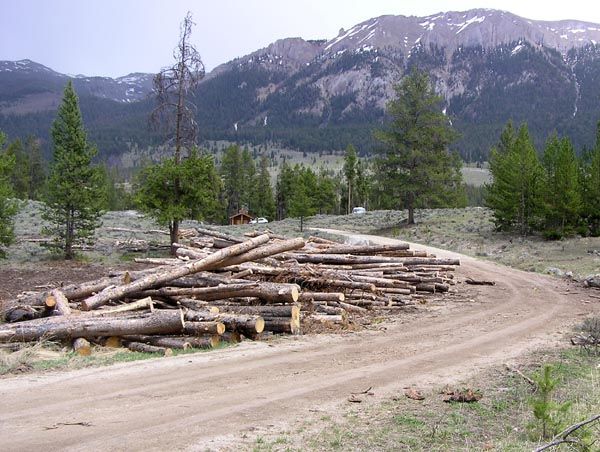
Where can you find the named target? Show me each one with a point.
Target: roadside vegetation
(503, 419)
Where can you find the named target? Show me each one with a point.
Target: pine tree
(265, 202)
(75, 194)
(363, 184)
(350, 166)
(591, 187)
(286, 181)
(500, 195)
(562, 197)
(232, 170)
(327, 201)
(20, 172)
(416, 167)
(248, 181)
(37, 168)
(517, 175)
(8, 206)
(196, 197)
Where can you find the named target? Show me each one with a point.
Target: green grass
(35, 358)
(497, 422)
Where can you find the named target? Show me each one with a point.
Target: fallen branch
(521, 374)
(563, 437)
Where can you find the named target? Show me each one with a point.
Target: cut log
(282, 325)
(290, 311)
(270, 292)
(364, 249)
(162, 277)
(202, 328)
(112, 342)
(146, 348)
(219, 235)
(346, 259)
(139, 304)
(321, 296)
(264, 251)
(70, 327)
(233, 337)
(82, 347)
(160, 341)
(245, 324)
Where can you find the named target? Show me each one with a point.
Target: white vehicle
(359, 210)
(259, 220)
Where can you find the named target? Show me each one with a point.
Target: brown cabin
(241, 217)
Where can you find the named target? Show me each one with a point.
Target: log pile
(222, 287)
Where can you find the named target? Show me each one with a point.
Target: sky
(116, 37)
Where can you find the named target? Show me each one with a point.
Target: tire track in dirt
(187, 401)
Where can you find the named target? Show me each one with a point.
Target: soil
(212, 400)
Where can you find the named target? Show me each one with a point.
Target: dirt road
(193, 402)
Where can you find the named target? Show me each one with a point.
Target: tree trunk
(164, 276)
(174, 235)
(70, 327)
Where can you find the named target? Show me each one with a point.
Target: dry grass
(499, 421)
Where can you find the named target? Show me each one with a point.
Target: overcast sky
(117, 37)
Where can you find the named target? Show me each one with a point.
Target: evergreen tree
(562, 197)
(416, 167)
(500, 194)
(20, 173)
(75, 194)
(248, 181)
(350, 166)
(37, 168)
(363, 184)
(265, 202)
(327, 201)
(517, 175)
(232, 170)
(8, 206)
(286, 181)
(591, 187)
(196, 196)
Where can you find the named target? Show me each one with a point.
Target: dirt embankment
(208, 400)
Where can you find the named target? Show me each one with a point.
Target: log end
(82, 347)
(259, 324)
(220, 328)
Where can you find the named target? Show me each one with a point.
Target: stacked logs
(225, 287)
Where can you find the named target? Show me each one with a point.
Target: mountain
(489, 66)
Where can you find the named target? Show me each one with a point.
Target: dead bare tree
(174, 112)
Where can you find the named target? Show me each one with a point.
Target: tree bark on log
(346, 259)
(147, 348)
(264, 251)
(70, 327)
(321, 296)
(162, 277)
(282, 325)
(202, 328)
(245, 324)
(364, 249)
(219, 235)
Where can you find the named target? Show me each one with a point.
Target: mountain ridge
(489, 66)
